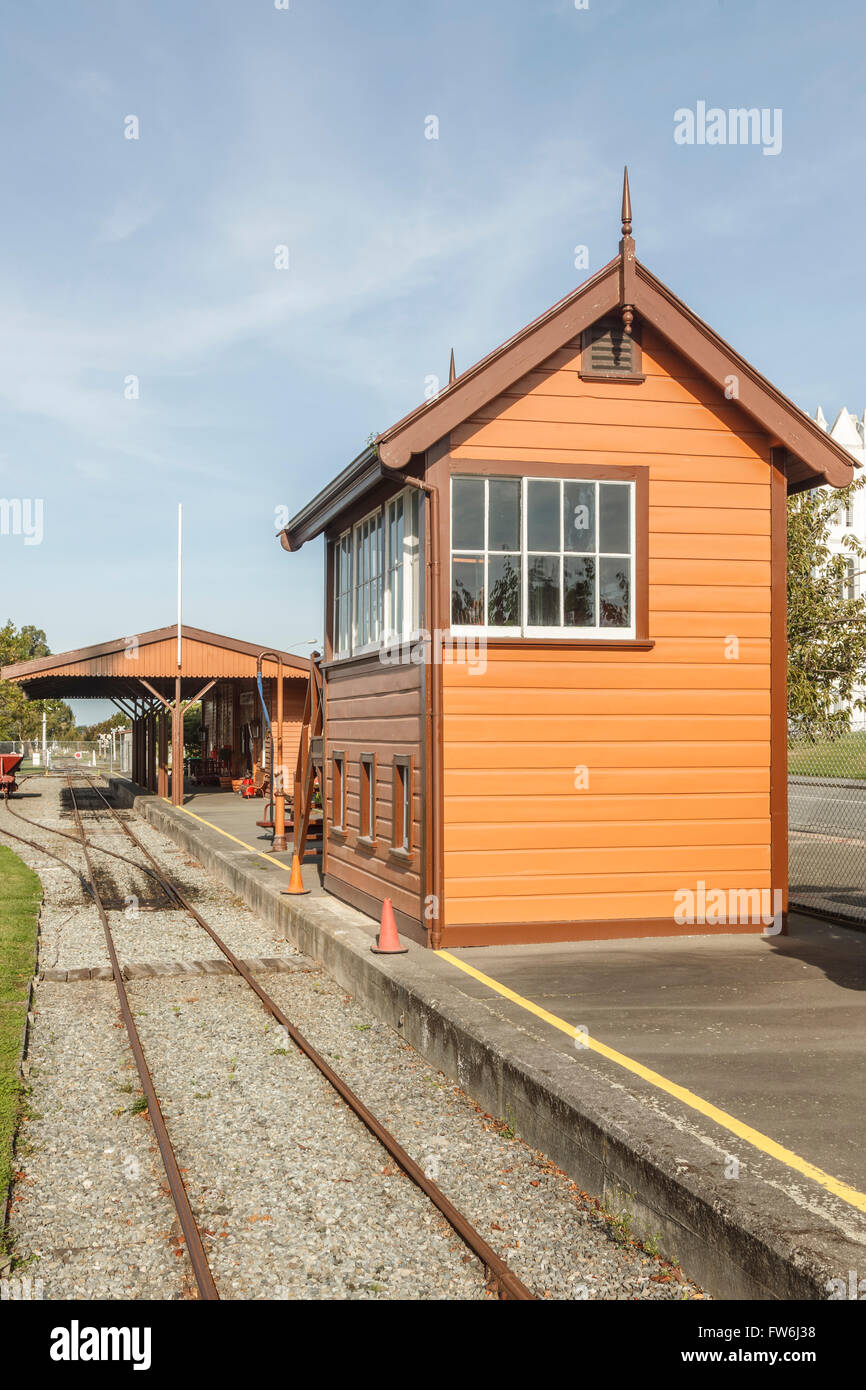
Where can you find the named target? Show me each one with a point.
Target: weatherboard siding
(676, 740)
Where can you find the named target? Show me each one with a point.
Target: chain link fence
(105, 753)
(827, 826)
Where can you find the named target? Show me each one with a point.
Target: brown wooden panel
(392, 735)
(682, 518)
(542, 755)
(551, 434)
(694, 546)
(709, 598)
(569, 907)
(524, 888)
(586, 806)
(377, 877)
(751, 497)
(507, 781)
(690, 860)
(665, 728)
(388, 706)
(689, 571)
(616, 673)
(539, 704)
(551, 834)
(721, 626)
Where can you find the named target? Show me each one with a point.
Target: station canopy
(128, 667)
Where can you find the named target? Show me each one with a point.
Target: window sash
(375, 575)
(561, 556)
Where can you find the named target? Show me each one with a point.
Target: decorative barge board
(588, 530)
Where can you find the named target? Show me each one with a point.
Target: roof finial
(452, 374)
(626, 205)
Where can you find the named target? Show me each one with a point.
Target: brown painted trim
(823, 457)
(419, 430)
(536, 933)
(637, 473)
(349, 664)
(779, 682)
(436, 479)
(570, 644)
(621, 380)
(372, 907)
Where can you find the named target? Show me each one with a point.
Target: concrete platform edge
(765, 1245)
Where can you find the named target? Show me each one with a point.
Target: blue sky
(262, 127)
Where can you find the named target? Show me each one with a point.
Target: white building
(850, 431)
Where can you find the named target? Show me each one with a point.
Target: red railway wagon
(9, 763)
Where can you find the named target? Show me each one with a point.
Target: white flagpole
(179, 576)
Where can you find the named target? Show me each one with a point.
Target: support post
(162, 772)
(151, 752)
(279, 842)
(177, 747)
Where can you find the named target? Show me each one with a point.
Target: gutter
(435, 829)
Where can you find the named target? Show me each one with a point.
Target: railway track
(500, 1279)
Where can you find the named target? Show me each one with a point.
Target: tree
(192, 731)
(826, 624)
(21, 718)
(89, 733)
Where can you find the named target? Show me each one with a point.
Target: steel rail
(22, 840)
(100, 849)
(501, 1279)
(195, 1248)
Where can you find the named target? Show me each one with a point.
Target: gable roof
(104, 670)
(812, 458)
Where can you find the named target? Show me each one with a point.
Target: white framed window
(401, 566)
(543, 557)
(367, 582)
(849, 580)
(343, 594)
(376, 582)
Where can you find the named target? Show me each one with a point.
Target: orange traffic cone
(296, 882)
(388, 943)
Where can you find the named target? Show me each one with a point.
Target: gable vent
(609, 351)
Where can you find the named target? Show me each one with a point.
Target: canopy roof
(117, 669)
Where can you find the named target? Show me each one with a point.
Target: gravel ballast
(294, 1197)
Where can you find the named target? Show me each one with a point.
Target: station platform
(707, 1089)
(236, 818)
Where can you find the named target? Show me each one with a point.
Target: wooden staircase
(311, 760)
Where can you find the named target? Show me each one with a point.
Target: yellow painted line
(268, 858)
(703, 1107)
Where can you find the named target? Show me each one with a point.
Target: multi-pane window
(343, 593)
(367, 583)
(375, 576)
(849, 580)
(542, 555)
(401, 566)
